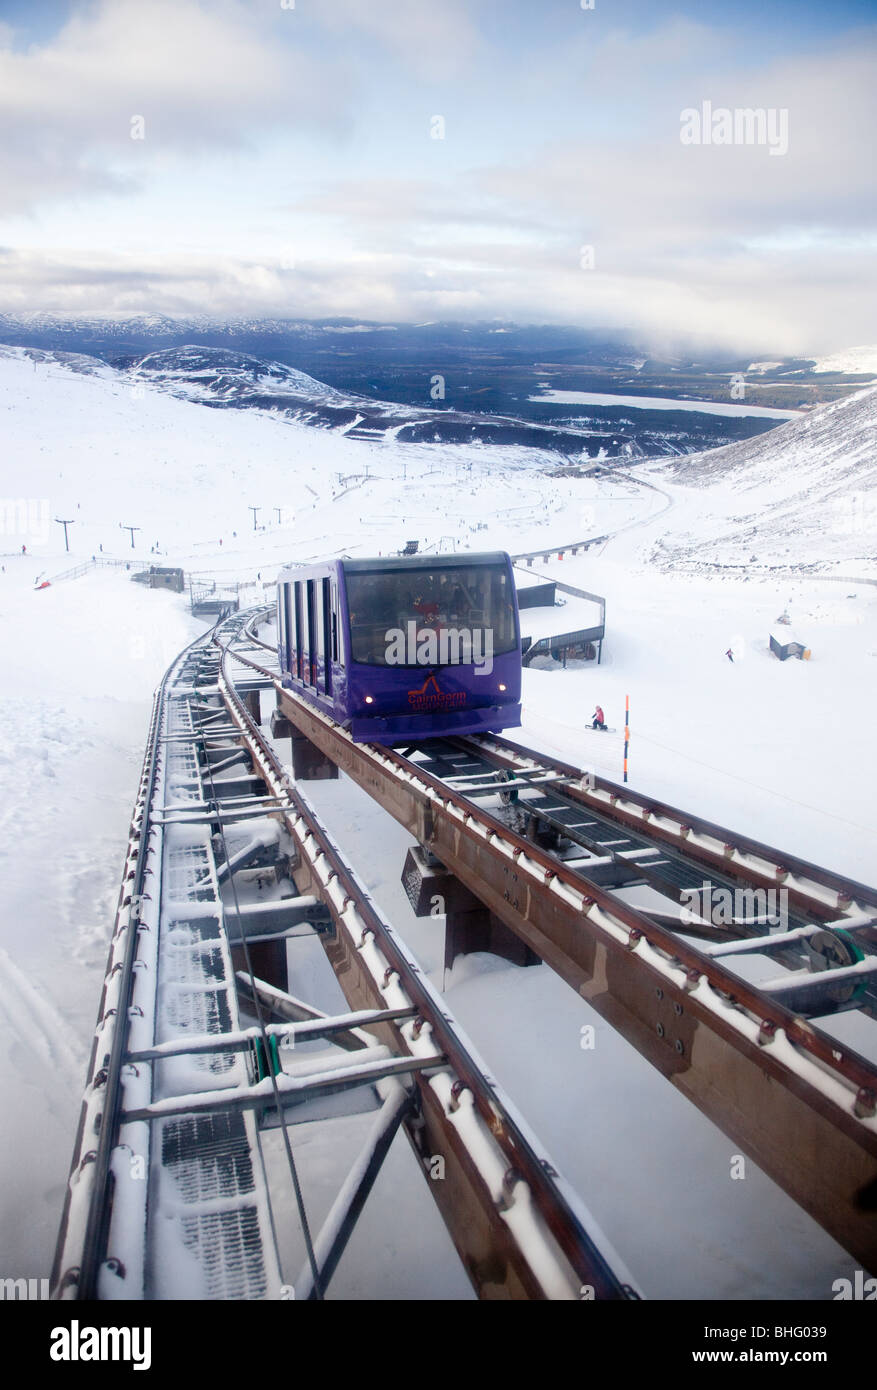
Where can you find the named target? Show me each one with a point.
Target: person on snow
(730, 655)
(599, 719)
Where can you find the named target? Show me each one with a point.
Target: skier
(730, 655)
(599, 719)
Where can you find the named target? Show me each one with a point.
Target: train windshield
(422, 617)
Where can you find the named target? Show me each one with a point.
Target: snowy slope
(108, 450)
(853, 361)
(730, 742)
(803, 495)
(198, 373)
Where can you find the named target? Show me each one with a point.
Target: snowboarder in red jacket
(599, 719)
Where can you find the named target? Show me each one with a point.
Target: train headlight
(369, 699)
(501, 686)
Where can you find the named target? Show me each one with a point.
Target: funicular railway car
(397, 649)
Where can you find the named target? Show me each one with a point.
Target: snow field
(782, 751)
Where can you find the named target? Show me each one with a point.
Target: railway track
(551, 851)
(242, 864)
(195, 1062)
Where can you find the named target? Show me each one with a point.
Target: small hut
(165, 577)
(784, 644)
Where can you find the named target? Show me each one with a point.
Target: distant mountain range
(221, 377)
(544, 386)
(504, 339)
(499, 339)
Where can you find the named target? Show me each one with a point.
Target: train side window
(292, 636)
(336, 651)
(292, 628)
(281, 618)
(326, 633)
(299, 633)
(310, 676)
(319, 653)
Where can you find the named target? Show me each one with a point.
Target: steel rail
(612, 798)
(848, 1063)
(683, 860)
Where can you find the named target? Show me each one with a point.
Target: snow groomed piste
(170, 1195)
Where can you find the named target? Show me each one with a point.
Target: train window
(321, 645)
(336, 654)
(282, 626)
(326, 634)
(310, 675)
(468, 609)
(292, 602)
(299, 632)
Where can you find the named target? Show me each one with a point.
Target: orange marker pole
(626, 731)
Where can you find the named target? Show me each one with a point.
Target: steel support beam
(332, 1240)
(778, 1104)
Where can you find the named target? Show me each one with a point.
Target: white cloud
(578, 148)
(201, 78)
(437, 38)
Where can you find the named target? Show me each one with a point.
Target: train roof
(424, 562)
(398, 562)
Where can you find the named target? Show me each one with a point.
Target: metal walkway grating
(210, 1231)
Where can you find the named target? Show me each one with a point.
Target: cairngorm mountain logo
(430, 696)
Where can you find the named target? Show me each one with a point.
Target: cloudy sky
(289, 163)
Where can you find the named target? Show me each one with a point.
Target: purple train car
(397, 650)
